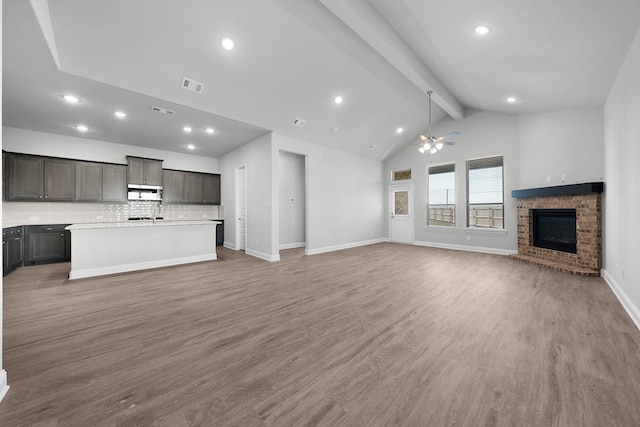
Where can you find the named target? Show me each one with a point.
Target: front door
(401, 219)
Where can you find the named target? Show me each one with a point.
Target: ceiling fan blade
(449, 142)
(450, 135)
(424, 138)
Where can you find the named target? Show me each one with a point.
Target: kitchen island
(107, 248)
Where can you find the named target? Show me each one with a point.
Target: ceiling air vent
(192, 85)
(163, 111)
(298, 122)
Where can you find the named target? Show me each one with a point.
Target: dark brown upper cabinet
(144, 171)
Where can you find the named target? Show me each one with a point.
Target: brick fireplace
(587, 201)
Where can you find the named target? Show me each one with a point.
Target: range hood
(144, 192)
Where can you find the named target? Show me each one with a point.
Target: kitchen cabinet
(173, 186)
(59, 179)
(193, 188)
(12, 247)
(190, 187)
(89, 182)
(25, 177)
(38, 178)
(114, 183)
(96, 182)
(47, 244)
(211, 189)
(220, 233)
(144, 171)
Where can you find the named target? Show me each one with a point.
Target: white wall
(483, 134)
(48, 144)
(292, 200)
(563, 142)
(344, 196)
(256, 156)
(4, 387)
(622, 177)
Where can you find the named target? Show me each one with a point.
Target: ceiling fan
(433, 144)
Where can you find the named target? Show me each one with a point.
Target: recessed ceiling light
(191, 147)
(338, 99)
(210, 131)
(70, 99)
(120, 114)
(187, 129)
(81, 128)
(482, 30)
(511, 99)
(227, 43)
(399, 130)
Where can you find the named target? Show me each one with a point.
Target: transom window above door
(401, 175)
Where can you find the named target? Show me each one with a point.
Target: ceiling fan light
(422, 149)
(439, 145)
(433, 150)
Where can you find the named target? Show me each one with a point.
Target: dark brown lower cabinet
(47, 244)
(12, 248)
(220, 233)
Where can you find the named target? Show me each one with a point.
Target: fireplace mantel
(560, 190)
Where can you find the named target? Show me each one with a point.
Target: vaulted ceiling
(292, 58)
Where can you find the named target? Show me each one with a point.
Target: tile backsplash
(25, 213)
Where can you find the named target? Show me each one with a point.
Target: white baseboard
(4, 387)
(262, 255)
(229, 245)
(493, 251)
(629, 306)
(293, 245)
(344, 246)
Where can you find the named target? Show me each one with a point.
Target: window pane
(401, 202)
(485, 185)
(402, 175)
(442, 196)
(485, 195)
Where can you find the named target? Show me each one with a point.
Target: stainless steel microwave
(144, 192)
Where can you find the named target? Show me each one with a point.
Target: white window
(441, 197)
(485, 193)
(402, 175)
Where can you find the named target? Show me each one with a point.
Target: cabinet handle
(16, 238)
(49, 228)
(61, 234)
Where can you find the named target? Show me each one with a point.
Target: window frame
(468, 164)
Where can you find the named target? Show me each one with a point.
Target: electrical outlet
(548, 179)
(468, 237)
(564, 177)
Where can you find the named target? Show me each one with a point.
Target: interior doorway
(292, 200)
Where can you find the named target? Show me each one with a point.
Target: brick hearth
(588, 259)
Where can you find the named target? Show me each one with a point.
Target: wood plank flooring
(381, 335)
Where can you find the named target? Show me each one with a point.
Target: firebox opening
(554, 229)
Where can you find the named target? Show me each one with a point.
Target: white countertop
(143, 223)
